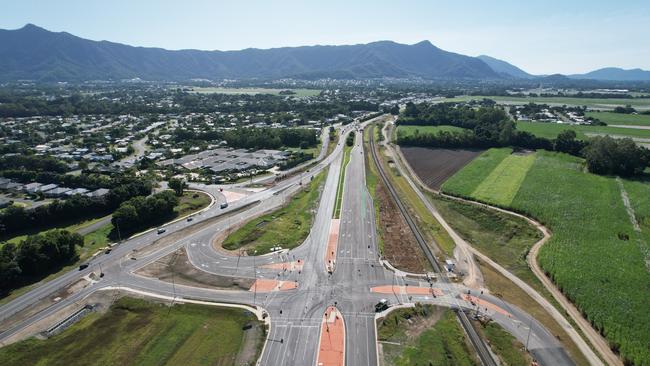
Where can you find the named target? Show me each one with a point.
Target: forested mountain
(615, 74)
(33, 53)
(505, 68)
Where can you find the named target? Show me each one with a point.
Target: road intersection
(294, 287)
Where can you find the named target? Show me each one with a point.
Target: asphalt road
(295, 314)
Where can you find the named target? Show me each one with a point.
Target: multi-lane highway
(293, 287)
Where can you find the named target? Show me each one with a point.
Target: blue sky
(539, 36)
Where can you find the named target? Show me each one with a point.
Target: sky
(541, 37)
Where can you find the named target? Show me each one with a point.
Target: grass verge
(508, 349)
(137, 332)
(287, 226)
(424, 335)
(191, 201)
(341, 183)
(372, 180)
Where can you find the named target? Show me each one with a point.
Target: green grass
(502, 184)
(315, 150)
(341, 183)
(442, 344)
(612, 118)
(588, 256)
(251, 91)
(74, 227)
(509, 350)
(411, 130)
(464, 182)
(600, 103)
(136, 332)
(191, 201)
(551, 130)
(372, 180)
(504, 238)
(287, 226)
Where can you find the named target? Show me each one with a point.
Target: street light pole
(254, 276)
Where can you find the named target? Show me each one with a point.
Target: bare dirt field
(434, 166)
(400, 247)
(177, 266)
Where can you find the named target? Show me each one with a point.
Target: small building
(12, 187)
(57, 192)
(46, 187)
(72, 192)
(32, 187)
(98, 192)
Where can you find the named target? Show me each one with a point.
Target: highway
(298, 298)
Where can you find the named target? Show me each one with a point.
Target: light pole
(254, 276)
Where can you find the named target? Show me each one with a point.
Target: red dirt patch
(435, 166)
(400, 247)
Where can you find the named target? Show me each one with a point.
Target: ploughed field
(595, 255)
(435, 166)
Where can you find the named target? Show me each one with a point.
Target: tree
(566, 142)
(350, 140)
(178, 185)
(125, 217)
(9, 268)
(605, 155)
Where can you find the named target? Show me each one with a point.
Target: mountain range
(34, 53)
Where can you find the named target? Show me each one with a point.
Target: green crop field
(287, 226)
(467, 179)
(599, 103)
(252, 91)
(612, 118)
(551, 130)
(502, 184)
(594, 256)
(136, 332)
(411, 130)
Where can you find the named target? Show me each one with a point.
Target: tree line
(15, 220)
(139, 213)
(35, 257)
(487, 127)
(271, 138)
